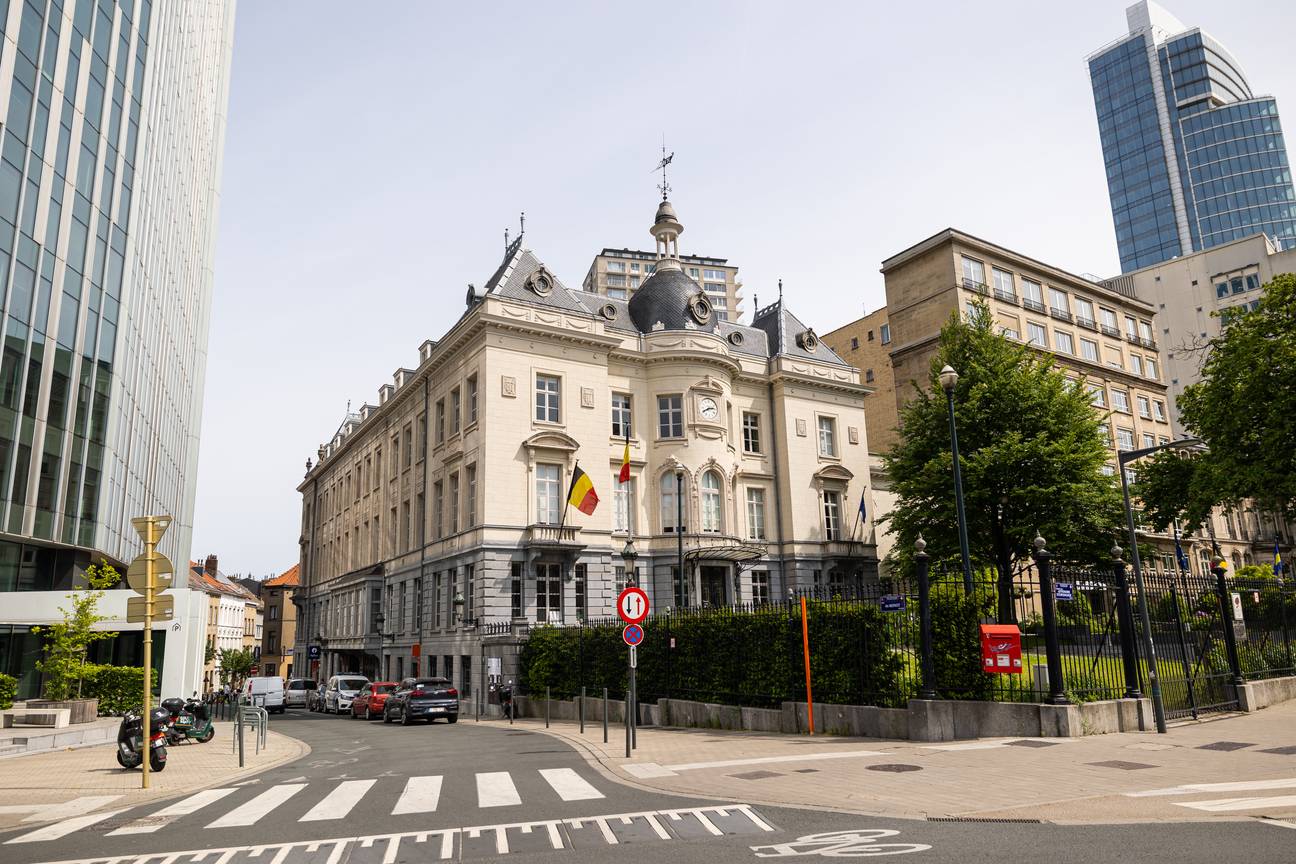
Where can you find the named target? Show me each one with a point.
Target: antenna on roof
(661, 166)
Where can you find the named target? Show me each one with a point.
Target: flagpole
(567, 501)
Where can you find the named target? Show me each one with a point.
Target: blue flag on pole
(862, 512)
(1277, 565)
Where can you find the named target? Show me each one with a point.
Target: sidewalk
(62, 783)
(1245, 765)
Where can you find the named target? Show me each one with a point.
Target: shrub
(118, 688)
(956, 640)
(8, 690)
(750, 657)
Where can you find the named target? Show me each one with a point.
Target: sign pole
(805, 645)
(634, 701)
(147, 752)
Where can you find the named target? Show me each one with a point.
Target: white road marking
(64, 828)
(252, 811)
(339, 802)
(421, 795)
(569, 785)
(1280, 823)
(1225, 805)
(167, 815)
(1236, 786)
(766, 760)
(496, 789)
(971, 745)
(66, 809)
(646, 770)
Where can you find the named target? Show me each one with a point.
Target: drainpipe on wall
(778, 499)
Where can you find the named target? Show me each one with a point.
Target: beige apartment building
(437, 517)
(280, 628)
(1193, 297)
(1101, 333)
(618, 273)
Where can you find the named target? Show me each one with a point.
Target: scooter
(189, 720)
(130, 738)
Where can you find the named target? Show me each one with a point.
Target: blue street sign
(1063, 591)
(893, 603)
(633, 634)
(313, 652)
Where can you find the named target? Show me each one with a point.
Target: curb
(296, 747)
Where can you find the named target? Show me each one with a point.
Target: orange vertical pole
(805, 644)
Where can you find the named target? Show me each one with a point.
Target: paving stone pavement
(1228, 767)
(55, 784)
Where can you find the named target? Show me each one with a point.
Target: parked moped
(189, 721)
(130, 738)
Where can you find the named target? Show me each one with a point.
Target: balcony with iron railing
(1006, 296)
(1087, 323)
(1110, 331)
(978, 287)
(1060, 314)
(1033, 305)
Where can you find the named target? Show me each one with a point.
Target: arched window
(669, 503)
(712, 520)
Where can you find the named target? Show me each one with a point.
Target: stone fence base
(922, 720)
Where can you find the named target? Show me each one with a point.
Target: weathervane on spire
(661, 166)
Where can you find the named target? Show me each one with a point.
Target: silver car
(297, 692)
(340, 690)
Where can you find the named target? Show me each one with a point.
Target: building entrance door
(714, 586)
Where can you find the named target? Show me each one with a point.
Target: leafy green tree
(67, 643)
(1031, 455)
(1242, 410)
(235, 664)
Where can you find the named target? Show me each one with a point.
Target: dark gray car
(422, 699)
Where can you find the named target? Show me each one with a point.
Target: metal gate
(1187, 632)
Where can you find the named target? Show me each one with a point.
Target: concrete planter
(83, 710)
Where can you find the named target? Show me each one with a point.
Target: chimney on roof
(210, 567)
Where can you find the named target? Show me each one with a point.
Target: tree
(67, 644)
(235, 664)
(1031, 455)
(1242, 410)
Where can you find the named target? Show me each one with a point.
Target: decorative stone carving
(808, 340)
(852, 434)
(587, 397)
(540, 282)
(801, 427)
(508, 386)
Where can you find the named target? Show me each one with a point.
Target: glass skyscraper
(1193, 157)
(110, 153)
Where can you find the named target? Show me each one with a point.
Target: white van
(265, 692)
(340, 690)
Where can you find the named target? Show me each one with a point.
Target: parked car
(422, 699)
(266, 692)
(340, 690)
(297, 692)
(371, 700)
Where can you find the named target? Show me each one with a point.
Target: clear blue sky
(376, 153)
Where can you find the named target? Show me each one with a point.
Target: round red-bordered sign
(632, 605)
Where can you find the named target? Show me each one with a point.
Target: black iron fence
(1080, 640)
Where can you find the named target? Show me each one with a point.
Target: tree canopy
(1244, 410)
(1031, 453)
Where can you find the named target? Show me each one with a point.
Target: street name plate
(163, 608)
(1064, 591)
(163, 572)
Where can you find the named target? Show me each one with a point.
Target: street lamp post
(1154, 679)
(949, 380)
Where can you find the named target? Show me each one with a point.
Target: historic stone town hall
(439, 514)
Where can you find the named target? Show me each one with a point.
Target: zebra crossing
(418, 795)
(1266, 800)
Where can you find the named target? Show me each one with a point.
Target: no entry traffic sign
(632, 605)
(632, 634)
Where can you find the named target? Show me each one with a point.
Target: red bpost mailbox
(1001, 649)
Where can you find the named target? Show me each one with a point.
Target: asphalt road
(371, 793)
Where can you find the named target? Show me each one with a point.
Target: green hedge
(8, 690)
(118, 688)
(733, 657)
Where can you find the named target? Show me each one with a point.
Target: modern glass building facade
(110, 152)
(1193, 157)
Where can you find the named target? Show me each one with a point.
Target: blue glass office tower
(1193, 157)
(112, 122)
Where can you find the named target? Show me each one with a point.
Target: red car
(371, 699)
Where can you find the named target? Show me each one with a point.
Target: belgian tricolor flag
(582, 495)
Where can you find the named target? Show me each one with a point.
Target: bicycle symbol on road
(841, 844)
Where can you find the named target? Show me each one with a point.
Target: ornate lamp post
(628, 555)
(949, 380)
